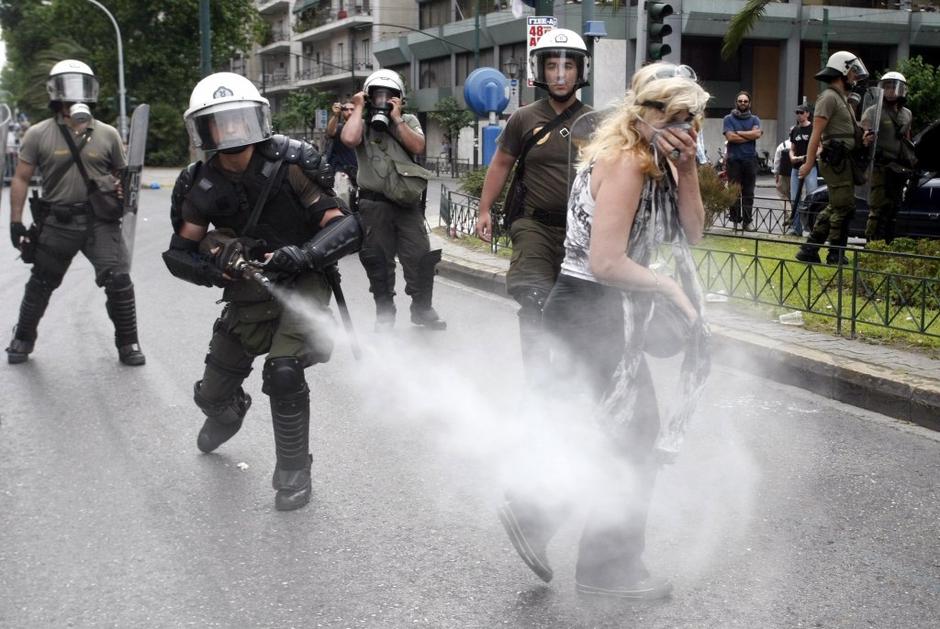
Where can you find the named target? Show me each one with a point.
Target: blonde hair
(618, 134)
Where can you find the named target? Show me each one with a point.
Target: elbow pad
(338, 238)
(184, 261)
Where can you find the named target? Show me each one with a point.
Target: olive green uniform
(835, 165)
(888, 176)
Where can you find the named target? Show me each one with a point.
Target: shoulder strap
(275, 176)
(556, 121)
(76, 150)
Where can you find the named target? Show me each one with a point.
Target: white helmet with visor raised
(227, 112)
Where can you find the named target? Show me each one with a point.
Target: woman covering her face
(635, 201)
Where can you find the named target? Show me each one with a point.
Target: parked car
(919, 214)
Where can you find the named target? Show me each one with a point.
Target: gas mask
(380, 108)
(80, 113)
(856, 96)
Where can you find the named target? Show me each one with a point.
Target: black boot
(290, 413)
(530, 527)
(425, 315)
(122, 310)
(421, 311)
(293, 486)
(836, 253)
(222, 421)
(385, 313)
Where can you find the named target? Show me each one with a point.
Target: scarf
(656, 224)
(741, 115)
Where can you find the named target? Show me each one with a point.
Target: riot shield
(581, 132)
(136, 147)
(872, 103)
(6, 117)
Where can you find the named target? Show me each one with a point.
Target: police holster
(39, 210)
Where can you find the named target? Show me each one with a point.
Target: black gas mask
(380, 109)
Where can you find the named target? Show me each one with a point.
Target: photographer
(835, 128)
(391, 199)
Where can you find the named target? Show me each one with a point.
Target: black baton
(333, 277)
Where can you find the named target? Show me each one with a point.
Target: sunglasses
(669, 71)
(743, 102)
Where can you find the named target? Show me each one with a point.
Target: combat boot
(809, 253)
(426, 316)
(130, 354)
(222, 420)
(384, 314)
(293, 487)
(19, 351)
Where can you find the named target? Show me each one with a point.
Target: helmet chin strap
(562, 99)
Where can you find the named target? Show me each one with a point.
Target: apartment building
(333, 45)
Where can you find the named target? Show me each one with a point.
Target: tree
(300, 110)
(452, 119)
(923, 91)
(741, 24)
(161, 55)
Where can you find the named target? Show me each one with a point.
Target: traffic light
(656, 13)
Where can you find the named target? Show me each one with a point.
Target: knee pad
(44, 280)
(114, 282)
(284, 378)
(531, 302)
(225, 412)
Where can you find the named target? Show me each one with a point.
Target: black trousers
(744, 173)
(586, 323)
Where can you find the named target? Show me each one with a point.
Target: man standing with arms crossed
(561, 65)
(742, 129)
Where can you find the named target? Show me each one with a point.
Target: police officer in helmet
(64, 222)
(836, 129)
(259, 211)
(391, 193)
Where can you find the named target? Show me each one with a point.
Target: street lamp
(122, 95)
(511, 67)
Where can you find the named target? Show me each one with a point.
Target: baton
(333, 277)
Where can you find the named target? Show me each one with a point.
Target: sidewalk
(894, 382)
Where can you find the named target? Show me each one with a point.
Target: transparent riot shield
(6, 117)
(870, 120)
(581, 132)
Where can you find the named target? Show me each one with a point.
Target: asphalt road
(784, 510)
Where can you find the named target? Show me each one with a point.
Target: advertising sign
(536, 26)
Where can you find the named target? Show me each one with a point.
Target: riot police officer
(890, 170)
(266, 196)
(834, 127)
(391, 195)
(64, 222)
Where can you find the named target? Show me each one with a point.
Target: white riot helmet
(384, 78)
(895, 82)
(226, 112)
(563, 43)
(839, 65)
(379, 88)
(71, 81)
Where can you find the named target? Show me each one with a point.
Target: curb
(853, 382)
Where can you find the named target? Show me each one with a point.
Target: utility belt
(551, 219)
(835, 153)
(378, 197)
(63, 212)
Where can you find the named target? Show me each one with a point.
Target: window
(465, 64)
(434, 73)
(433, 13)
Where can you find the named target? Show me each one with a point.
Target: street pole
(205, 39)
(476, 64)
(824, 48)
(542, 8)
(587, 15)
(122, 95)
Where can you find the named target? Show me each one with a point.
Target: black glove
(231, 251)
(17, 231)
(289, 259)
(326, 175)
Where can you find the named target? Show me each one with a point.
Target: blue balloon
(485, 91)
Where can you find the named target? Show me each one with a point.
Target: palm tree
(741, 25)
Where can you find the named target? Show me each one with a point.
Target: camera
(380, 109)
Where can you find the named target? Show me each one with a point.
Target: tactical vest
(229, 204)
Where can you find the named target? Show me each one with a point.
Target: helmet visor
(559, 67)
(73, 88)
(229, 125)
(894, 88)
(861, 72)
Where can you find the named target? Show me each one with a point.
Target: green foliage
(741, 24)
(452, 118)
(300, 110)
(717, 196)
(471, 183)
(923, 91)
(161, 54)
(167, 141)
(904, 291)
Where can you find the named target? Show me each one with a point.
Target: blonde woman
(636, 189)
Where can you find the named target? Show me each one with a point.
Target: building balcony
(277, 82)
(322, 24)
(272, 7)
(326, 74)
(275, 41)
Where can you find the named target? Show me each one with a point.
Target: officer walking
(391, 193)
(537, 137)
(265, 197)
(890, 170)
(64, 222)
(835, 128)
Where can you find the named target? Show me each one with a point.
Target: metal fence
(442, 167)
(891, 290)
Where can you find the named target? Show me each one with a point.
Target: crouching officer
(891, 169)
(64, 222)
(836, 129)
(265, 196)
(391, 192)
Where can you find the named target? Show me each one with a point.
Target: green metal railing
(891, 290)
